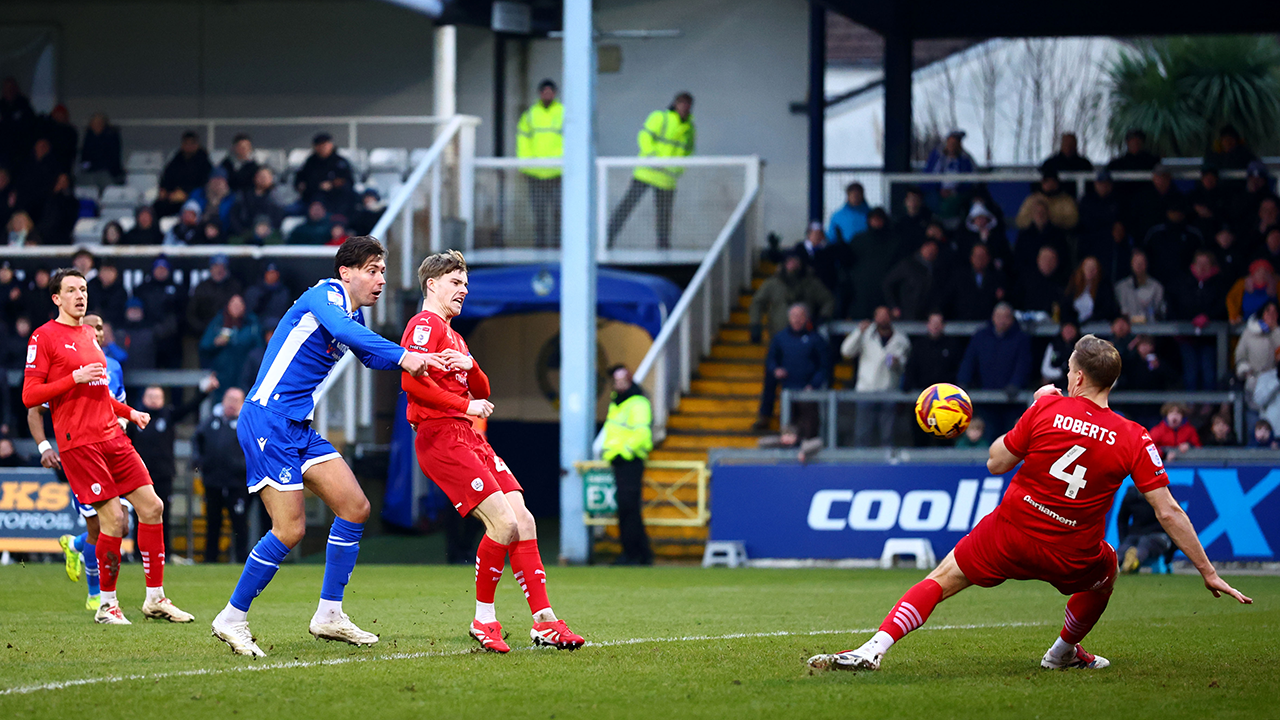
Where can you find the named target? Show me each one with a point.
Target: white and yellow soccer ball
(944, 410)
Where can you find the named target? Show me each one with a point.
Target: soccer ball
(944, 410)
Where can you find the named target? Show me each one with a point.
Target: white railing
(352, 124)
(687, 335)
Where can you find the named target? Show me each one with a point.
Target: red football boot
(555, 634)
(489, 636)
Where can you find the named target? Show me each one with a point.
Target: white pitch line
(64, 684)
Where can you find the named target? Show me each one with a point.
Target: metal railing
(686, 336)
(351, 123)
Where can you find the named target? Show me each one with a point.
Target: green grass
(1175, 650)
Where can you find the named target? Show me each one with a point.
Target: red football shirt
(84, 414)
(1075, 456)
(427, 332)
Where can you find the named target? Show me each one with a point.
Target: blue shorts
(86, 511)
(277, 450)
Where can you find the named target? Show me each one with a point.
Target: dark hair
(190, 135)
(1270, 303)
(1169, 407)
(439, 264)
(356, 252)
(236, 139)
(616, 367)
(849, 188)
(82, 251)
(55, 280)
(1099, 360)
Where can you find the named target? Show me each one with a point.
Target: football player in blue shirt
(283, 454)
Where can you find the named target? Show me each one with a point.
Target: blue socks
(261, 566)
(340, 558)
(90, 553)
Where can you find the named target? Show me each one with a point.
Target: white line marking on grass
(64, 684)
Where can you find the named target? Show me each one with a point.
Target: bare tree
(988, 80)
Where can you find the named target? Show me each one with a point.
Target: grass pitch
(672, 642)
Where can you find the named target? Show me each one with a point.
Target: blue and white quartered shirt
(311, 338)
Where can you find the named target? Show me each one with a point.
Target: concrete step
(665, 453)
(740, 317)
(740, 388)
(740, 336)
(844, 371)
(730, 370)
(722, 351)
(689, 441)
(712, 405)
(729, 423)
(744, 301)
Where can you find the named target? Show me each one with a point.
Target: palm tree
(1182, 90)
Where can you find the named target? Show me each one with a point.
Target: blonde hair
(434, 266)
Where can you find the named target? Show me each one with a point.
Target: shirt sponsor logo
(1155, 456)
(421, 334)
(1027, 499)
(335, 298)
(31, 353)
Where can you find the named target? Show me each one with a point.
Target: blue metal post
(577, 275)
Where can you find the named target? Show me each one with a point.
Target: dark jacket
(239, 174)
(933, 360)
(824, 262)
(996, 362)
(143, 236)
(155, 443)
(187, 173)
(1097, 216)
(1199, 297)
(101, 152)
(317, 170)
(140, 341)
(268, 302)
(1137, 374)
(1037, 292)
(1105, 306)
(249, 206)
(162, 303)
(909, 287)
(1150, 208)
(227, 361)
(208, 300)
(1170, 248)
(803, 355)
(1137, 517)
(966, 299)
(109, 302)
(1028, 247)
(871, 254)
(216, 452)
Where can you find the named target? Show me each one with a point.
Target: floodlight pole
(577, 275)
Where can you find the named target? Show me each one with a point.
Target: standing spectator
(1151, 202)
(1089, 297)
(214, 199)
(270, 299)
(1144, 370)
(1039, 234)
(1171, 244)
(1248, 294)
(1141, 297)
(934, 357)
(822, 257)
(797, 359)
(107, 296)
(154, 443)
(1142, 537)
(666, 133)
(144, 230)
(253, 202)
(911, 224)
(973, 293)
(871, 255)
(1136, 157)
(228, 339)
(882, 356)
(950, 158)
(628, 438)
(37, 177)
(1174, 435)
(239, 165)
(790, 285)
(137, 337)
(1220, 432)
(187, 170)
(1262, 436)
(851, 218)
(540, 134)
(1257, 187)
(216, 452)
(163, 302)
(1201, 298)
(100, 154)
(1208, 201)
(1100, 213)
(998, 358)
(1230, 255)
(210, 296)
(1229, 152)
(370, 212)
(1067, 159)
(1053, 366)
(63, 137)
(1257, 349)
(1039, 290)
(17, 123)
(982, 227)
(908, 288)
(326, 177)
(40, 307)
(316, 230)
(1063, 212)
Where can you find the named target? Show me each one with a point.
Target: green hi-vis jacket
(664, 135)
(628, 429)
(540, 134)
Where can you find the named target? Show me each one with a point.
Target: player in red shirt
(462, 463)
(1075, 453)
(67, 369)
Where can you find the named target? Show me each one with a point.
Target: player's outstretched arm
(373, 350)
(999, 459)
(1176, 523)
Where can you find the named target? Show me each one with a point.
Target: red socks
(913, 609)
(526, 563)
(151, 547)
(1083, 611)
(491, 558)
(108, 552)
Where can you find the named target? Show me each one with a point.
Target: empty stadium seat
(87, 192)
(289, 224)
(359, 159)
(89, 230)
(117, 196)
(119, 214)
(415, 157)
(142, 182)
(127, 223)
(297, 157)
(145, 161)
(166, 224)
(272, 158)
(384, 160)
(384, 182)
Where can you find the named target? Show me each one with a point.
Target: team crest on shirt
(421, 334)
(96, 488)
(31, 353)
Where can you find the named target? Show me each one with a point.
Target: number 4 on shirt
(1074, 479)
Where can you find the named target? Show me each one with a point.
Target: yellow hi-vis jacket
(627, 430)
(540, 134)
(664, 135)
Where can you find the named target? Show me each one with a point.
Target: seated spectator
(371, 209)
(62, 135)
(1270, 250)
(239, 164)
(998, 358)
(974, 436)
(791, 284)
(187, 170)
(1263, 437)
(1170, 245)
(326, 178)
(1068, 157)
(1256, 351)
(1220, 432)
(1088, 297)
(882, 353)
(137, 337)
(1264, 222)
(1144, 370)
(1039, 290)
(315, 231)
(981, 227)
(1140, 296)
(9, 456)
(144, 230)
(8, 197)
(1142, 537)
(1201, 298)
(797, 359)
(22, 230)
(100, 154)
(1100, 212)
(1152, 201)
(40, 308)
(57, 221)
(1248, 294)
(210, 296)
(338, 232)
(163, 301)
(1208, 202)
(12, 291)
(107, 295)
(36, 177)
(1136, 156)
(1040, 233)
(112, 233)
(1053, 366)
(255, 202)
(188, 230)
(262, 234)
(214, 199)
(973, 292)
(913, 221)
(823, 258)
(1230, 255)
(908, 288)
(270, 299)
(1257, 187)
(211, 233)
(1229, 152)
(1173, 435)
(228, 339)
(1063, 212)
(871, 254)
(851, 218)
(934, 357)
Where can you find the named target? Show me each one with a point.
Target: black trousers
(628, 475)
(235, 500)
(544, 196)
(664, 201)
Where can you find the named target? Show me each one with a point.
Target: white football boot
(1081, 659)
(237, 636)
(110, 615)
(164, 609)
(341, 628)
(864, 658)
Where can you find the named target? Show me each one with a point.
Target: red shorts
(460, 461)
(996, 551)
(104, 470)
